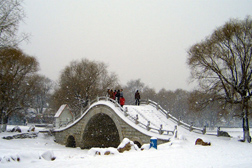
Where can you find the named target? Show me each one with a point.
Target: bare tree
(16, 82)
(82, 81)
(222, 66)
(208, 114)
(166, 99)
(130, 89)
(11, 13)
(41, 93)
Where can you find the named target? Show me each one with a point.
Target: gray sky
(146, 39)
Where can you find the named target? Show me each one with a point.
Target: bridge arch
(101, 131)
(102, 128)
(71, 141)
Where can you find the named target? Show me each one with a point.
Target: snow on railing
(147, 126)
(190, 128)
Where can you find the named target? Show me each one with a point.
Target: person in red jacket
(122, 101)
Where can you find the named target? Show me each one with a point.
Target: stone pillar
(204, 130)
(160, 129)
(125, 112)
(167, 115)
(175, 134)
(136, 119)
(191, 127)
(148, 126)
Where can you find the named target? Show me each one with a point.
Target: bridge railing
(135, 118)
(189, 127)
(90, 102)
(147, 126)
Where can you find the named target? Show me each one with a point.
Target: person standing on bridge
(114, 97)
(111, 94)
(121, 93)
(118, 96)
(137, 98)
(122, 101)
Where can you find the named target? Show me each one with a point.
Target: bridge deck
(148, 113)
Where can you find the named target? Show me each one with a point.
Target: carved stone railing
(179, 122)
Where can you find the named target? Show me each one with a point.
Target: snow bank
(102, 151)
(20, 157)
(48, 155)
(127, 145)
(28, 157)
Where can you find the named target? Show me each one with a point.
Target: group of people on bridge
(117, 95)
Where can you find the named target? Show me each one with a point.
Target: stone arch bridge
(105, 124)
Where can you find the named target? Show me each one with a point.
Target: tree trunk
(246, 132)
(245, 122)
(4, 121)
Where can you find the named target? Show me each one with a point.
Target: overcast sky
(137, 39)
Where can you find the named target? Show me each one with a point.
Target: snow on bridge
(106, 123)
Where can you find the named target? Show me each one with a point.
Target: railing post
(97, 98)
(218, 131)
(179, 121)
(89, 103)
(157, 106)
(125, 112)
(204, 130)
(148, 126)
(190, 128)
(106, 98)
(160, 129)
(136, 120)
(167, 115)
(148, 101)
(175, 132)
(116, 104)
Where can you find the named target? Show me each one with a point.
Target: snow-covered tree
(222, 64)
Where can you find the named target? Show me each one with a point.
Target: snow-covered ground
(181, 152)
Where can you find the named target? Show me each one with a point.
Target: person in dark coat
(114, 97)
(118, 96)
(137, 98)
